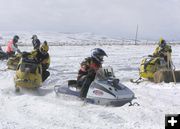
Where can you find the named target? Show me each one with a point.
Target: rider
(162, 50)
(88, 70)
(12, 46)
(36, 42)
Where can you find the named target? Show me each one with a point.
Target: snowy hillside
(42, 109)
(57, 38)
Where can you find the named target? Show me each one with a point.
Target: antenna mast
(136, 35)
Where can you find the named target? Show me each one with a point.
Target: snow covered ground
(42, 109)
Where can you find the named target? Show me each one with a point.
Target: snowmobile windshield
(105, 73)
(28, 67)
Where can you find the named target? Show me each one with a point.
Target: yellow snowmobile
(28, 74)
(13, 61)
(156, 69)
(150, 65)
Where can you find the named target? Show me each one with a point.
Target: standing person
(12, 46)
(36, 42)
(88, 70)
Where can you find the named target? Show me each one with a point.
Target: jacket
(88, 64)
(41, 58)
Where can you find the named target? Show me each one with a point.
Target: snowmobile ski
(58, 89)
(3, 69)
(137, 81)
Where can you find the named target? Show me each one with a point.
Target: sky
(115, 18)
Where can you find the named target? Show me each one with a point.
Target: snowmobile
(3, 55)
(104, 90)
(150, 65)
(28, 74)
(156, 69)
(13, 61)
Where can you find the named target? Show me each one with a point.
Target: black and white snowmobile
(104, 90)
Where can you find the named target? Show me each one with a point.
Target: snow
(42, 109)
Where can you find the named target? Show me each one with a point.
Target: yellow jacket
(162, 51)
(44, 59)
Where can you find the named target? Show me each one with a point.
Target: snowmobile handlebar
(113, 81)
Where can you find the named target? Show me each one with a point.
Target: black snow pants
(86, 82)
(45, 75)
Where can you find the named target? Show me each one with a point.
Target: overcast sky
(117, 18)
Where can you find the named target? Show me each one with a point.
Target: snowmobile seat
(72, 83)
(27, 60)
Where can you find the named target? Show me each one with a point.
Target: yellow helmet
(161, 40)
(44, 47)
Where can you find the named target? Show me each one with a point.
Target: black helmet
(15, 38)
(98, 54)
(162, 43)
(34, 37)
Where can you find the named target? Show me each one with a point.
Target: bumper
(109, 102)
(27, 83)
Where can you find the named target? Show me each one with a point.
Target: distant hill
(57, 38)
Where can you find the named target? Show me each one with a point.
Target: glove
(150, 56)
(91, 72)
(45, 66)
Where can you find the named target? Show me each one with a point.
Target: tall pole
(136, 35)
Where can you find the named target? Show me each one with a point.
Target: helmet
(162, 43)
(98, 54)
(15, 38)
(34, 37)
(44, 47)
